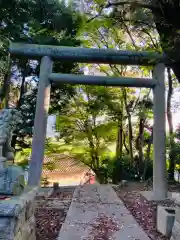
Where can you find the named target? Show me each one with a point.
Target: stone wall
(17, 220)
(176, 227)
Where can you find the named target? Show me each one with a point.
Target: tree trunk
(141, 138)
(19, 103)
(124, 143)
(130, 134)
(119, 143)
(141, 144)
(170, 123)
(93, 150)
(166, 18)
(130, 139)
(22, 90)
(4, 91)
(147, 156)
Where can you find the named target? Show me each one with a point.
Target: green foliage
(40, 23)
(49, 166)
(24, 163)
(24, 130)
(22, 157)
(84, 123)
(114, 170)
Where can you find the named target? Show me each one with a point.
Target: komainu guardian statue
(11, 177)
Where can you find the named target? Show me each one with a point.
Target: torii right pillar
(159, 135)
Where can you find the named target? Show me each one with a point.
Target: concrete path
(96, 213)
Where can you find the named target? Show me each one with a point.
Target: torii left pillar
(40, 122)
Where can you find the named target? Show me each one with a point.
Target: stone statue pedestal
(11, 179)
(17, 220)
(2, 162)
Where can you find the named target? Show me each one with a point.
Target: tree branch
(137, 101)
(130, 35)
(97, 15)
(103, 38)
(134, 4)
(155, 45)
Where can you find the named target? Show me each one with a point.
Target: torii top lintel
(85, 55)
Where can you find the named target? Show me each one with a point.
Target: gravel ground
(144, 211)
(50, 217)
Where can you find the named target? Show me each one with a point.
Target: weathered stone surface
(17, 221)
(76, 231)
(18, 236)
(87, 212)
(177, 213)
(28, 228)
(10, 179)
(165, 220)
(40, 122)
(8, 120)
(176, 227)
(2, 184)
(149, 195)
(45, 191)
(86, 193)
(29, 194)
(2, 162)
(88, 219)
(90, 55)
(20, 220)
(32, 236)
(10, 208)
(26, 236)
(108, 195)
(30, 209)
(176, 231)
(6, 228)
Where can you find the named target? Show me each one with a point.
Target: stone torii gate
(48, 54)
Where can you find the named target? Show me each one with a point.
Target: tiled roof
(63, 164)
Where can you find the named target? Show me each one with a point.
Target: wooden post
(159, 135)
(40, 122)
